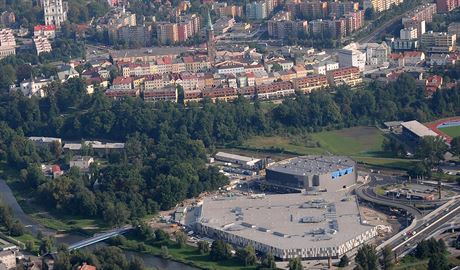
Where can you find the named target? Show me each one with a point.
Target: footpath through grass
(363, 143)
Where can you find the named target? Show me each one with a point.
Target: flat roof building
(247, 162)
(329, 173)
(288, 225)
(416, 129)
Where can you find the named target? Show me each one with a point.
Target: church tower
(211, 45)
(55, 12)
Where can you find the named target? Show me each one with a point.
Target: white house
(81, 162)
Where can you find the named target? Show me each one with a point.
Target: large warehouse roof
(312, 165)
(418, 129)
(224, 155)
(288, 221)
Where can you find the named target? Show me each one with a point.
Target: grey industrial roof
(235, 157)
(276, 220)
(418, 129)
(312, 165)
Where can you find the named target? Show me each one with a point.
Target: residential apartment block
(419, 25)
(381, 5)
(408, 33)
(313, 10)
(444, 6)
(310, 83)
(42, 44)
(256, 10)
(344, 76)
(438, 42)
(231, 11)
(454, 28)
(351, 58)
(421, 13)
(169, 33)
(7, 43)
(283, 29)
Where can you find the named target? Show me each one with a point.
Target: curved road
(364, 194)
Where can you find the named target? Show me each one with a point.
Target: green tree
(438, 262)
(181, 239)
(180, 94)
(46, 245)
(268, 262)
(203, 247)
(419, 169)
(161, 235)
(136, 263)
(369, 14)
(455, 146)
(247, 255)
(387, 260)
(164, 252)
(366, 258)
(30, 245)
(220, 251)
(295, 264)
(431, 149)
(344, 261)
(276, 67)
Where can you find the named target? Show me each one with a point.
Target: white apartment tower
(55, 12)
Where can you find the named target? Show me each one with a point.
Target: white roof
(45, 139)
(275, 220)
(235, 157)
(418, 128)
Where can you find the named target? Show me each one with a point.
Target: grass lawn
(364, 144)
(28, 237)
(411, 263)
(188, 255)
(451, 131)
(64, 223)
(366, 141)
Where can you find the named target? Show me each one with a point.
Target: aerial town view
(229, 135)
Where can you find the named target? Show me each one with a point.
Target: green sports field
(451, 131)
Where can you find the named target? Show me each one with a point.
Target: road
(6, 195)
(426, 228)
(422, 227)
(383, 28)
(366, 193)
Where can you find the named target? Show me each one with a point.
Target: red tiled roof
(55, 168)
(122, 80)
(412, 54)
(188, 59)
(87, 267)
